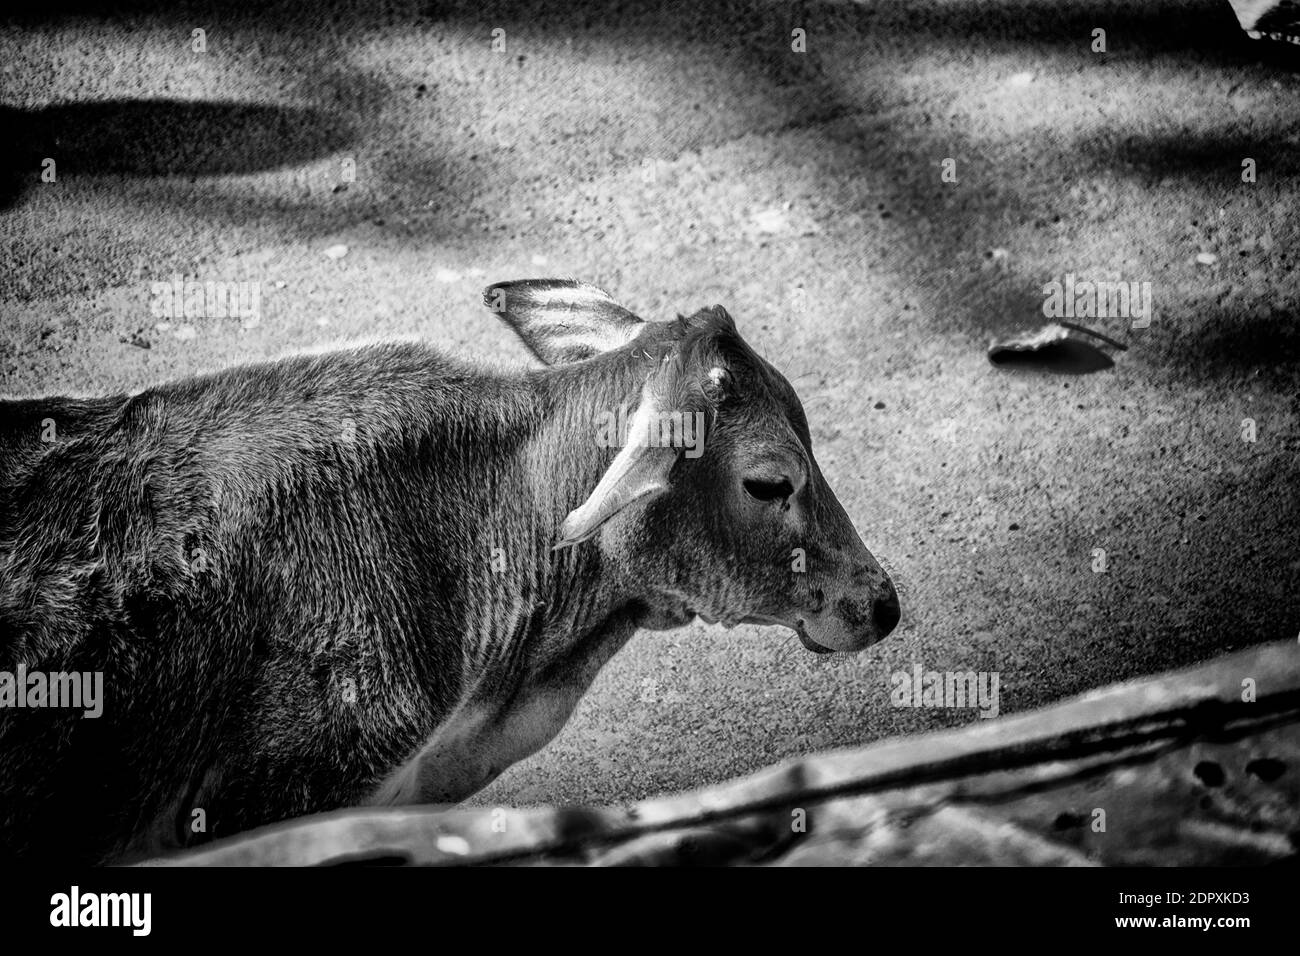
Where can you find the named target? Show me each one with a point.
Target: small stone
(336, 252)
(1206, 258)
(879, 405)
(451, 844)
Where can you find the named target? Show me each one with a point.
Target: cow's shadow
(152, 138)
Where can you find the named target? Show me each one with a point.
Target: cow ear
(562, 320)
(637, 471)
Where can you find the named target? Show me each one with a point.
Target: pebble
(454, 845)
(336, 252)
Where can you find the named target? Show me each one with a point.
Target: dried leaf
(1054, 348)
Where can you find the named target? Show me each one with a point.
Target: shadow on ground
(161, 138)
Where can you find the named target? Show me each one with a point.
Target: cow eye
(777, 490)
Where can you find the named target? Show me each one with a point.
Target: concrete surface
(687, 156)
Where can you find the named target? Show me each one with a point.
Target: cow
(378, 576)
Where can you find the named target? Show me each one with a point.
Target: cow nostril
(886, 612)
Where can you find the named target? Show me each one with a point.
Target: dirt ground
(688, 156)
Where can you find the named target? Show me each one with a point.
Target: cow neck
(566, 463)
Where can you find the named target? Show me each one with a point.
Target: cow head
(713, 504)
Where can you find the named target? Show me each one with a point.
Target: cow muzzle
(851, 622)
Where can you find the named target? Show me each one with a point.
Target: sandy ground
(680, 158)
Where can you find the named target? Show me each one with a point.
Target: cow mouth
(797, 627)
(812, 645)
